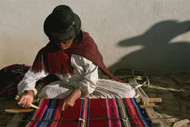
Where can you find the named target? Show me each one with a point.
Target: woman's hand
(69, 101)
(26, 99)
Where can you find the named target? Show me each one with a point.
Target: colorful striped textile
(10, 76)
(114, 112)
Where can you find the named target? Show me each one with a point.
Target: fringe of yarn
(55, 60)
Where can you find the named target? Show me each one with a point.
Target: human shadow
(159, 54)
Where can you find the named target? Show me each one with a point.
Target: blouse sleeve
(30, 79)
(90, 76)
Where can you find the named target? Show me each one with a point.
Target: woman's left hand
(69, 101)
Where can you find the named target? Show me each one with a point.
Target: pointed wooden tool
(19, 110)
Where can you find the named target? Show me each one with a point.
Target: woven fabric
(10, 76)
(89, 113)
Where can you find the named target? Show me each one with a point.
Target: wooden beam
(155, 119)
(151, 100)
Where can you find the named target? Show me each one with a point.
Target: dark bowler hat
(62, 24)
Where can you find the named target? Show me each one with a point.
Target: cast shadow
(159, 54)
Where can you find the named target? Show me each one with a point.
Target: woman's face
(65, 45)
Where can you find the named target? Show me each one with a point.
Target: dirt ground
(174, 89)
(175, 93)
(6, 117)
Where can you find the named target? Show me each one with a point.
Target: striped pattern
(114, 112)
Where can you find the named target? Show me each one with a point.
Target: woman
(74, 58)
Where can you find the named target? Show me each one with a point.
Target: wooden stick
(31, 105)
(18, 110)
(151, 100)
(34, 106)
(150, 105)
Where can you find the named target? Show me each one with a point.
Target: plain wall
(146, 35)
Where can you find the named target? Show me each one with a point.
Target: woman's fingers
(27, 104)
(24, 103)
(63, 106)
(67, 105)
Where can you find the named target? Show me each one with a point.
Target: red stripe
(136, 119)
(39, 113)
(49, 112)
(110, 113)
(98, 109)
(57, 115)
(115, 112)
(71, 113)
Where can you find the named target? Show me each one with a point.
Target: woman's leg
(55, 91)
(111, 89)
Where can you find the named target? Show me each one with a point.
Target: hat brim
(53, 35)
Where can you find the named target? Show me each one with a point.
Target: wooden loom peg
(151, 100)
(150, 105)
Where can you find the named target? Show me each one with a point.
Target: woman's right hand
(26, 99)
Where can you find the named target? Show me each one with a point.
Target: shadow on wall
(159, 54)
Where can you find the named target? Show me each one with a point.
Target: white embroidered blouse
(85, 77)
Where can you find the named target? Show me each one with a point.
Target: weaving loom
(114, 112)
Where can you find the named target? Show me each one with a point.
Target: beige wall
(146, 35)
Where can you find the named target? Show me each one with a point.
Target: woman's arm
(88, 83)
(69, 101)
(26, 88)
(29, 81)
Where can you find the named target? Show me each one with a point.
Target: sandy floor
(6, 117)
(175, 92)
(173, 89)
